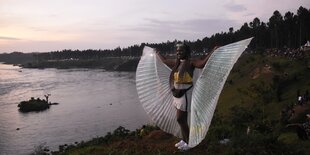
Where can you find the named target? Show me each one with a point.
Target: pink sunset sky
(48, 25)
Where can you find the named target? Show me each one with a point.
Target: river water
(92, 102)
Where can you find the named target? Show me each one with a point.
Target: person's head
(183, 51)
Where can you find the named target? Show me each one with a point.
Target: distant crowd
(287, 52)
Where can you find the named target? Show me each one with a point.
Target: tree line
(281, 31)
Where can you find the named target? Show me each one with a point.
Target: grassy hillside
(269, 82)
(260, 90)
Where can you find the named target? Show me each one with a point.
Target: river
(92, 102)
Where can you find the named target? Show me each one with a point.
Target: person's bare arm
(169, 63)
(201, 63)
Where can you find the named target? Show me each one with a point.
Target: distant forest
(288, 31)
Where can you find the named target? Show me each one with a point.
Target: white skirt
(183, 103)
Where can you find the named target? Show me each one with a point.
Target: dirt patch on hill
(258, 71)
(299, 114)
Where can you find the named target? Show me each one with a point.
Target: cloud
(250, 14)
(232, 6)
(8, 38)
(187, 29)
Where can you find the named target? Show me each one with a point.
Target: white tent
(306, 47)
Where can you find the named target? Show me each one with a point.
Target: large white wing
(152, 83)
(209, 86)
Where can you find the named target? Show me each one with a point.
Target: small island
(35, 104)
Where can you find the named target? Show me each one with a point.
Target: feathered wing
(152, 83)
(209, 86)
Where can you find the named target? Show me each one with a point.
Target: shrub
(33, 105)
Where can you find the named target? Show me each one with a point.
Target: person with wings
(181, 83)
(180, 97)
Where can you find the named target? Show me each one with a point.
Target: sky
(50, 25)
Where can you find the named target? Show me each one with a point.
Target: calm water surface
(92, 103)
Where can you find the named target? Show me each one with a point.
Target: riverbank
(109, 64)
(152, 140)
(146, 140)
